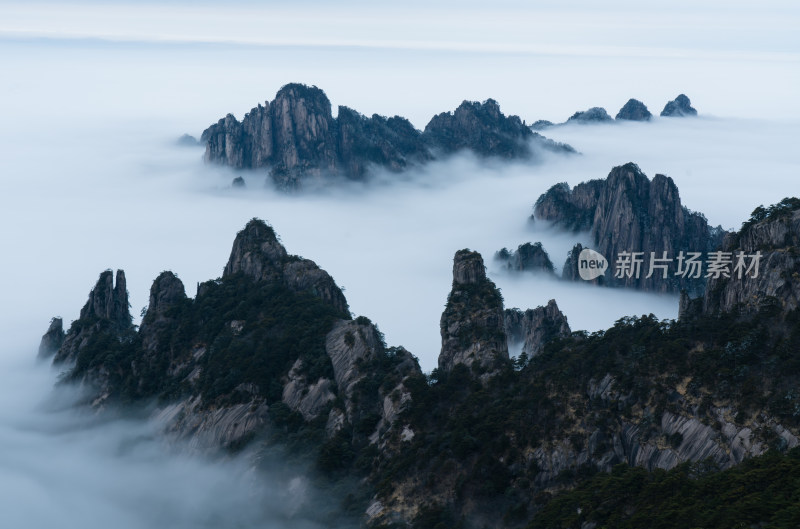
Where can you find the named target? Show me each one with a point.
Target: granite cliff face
(627, 212)
(530, 330)
(679, 107)
(768, 250)
(297, 138)
(472, 327)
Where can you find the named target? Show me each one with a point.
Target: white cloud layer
(92, 99)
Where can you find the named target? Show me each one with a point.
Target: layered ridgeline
(627, 212)
(268, 354)
(297, 138)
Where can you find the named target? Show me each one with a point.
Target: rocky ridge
(297, 138)
(627, 212)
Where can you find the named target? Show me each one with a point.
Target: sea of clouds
(94, 95)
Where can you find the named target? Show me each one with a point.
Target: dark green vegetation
(278, 326)
(781, 210)
(477, 438)
(762, 492)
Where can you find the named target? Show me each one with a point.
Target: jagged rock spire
(472, 324)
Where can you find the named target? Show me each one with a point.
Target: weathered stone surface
(350, 344)
(472, 325)
(527, 257)
(778, 279)
(634, 110)
(535, 327)
(679, 107)
(309, 399)
(203, 430)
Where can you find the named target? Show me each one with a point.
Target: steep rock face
(392, 143)
(593, 115)
(202, 430)
(167, 292)
(107, 311)
(297, 138)
(52, 339)
(309, 399)
(535, 327)
(530, 257)
(472, 325)
(630, 213)
(304, 132)
(634, 110)
(225, 143)
(571, 270)
(776, 237)
(679, 107)
(351, 345)
(258, 254)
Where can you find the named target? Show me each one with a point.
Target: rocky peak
(166, 291)
(468, 268)
(52, 339)
(481, 128)
(627, 212)
(257, 253)
(106, 312)
(634, 110)
(592, 115)
(533, 328)
(527, 257)
(681, 106)
(472, 327)
(108, 301)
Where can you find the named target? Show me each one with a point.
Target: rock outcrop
(634, 110)
(527, 257)
(530, 330)
(52, 339)
(679, 107)
(764, 264)
(258, 254)
(592, 115)
(629, 213)
(106, 312)
(480, 128)
(472, 324)
(297, 138)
